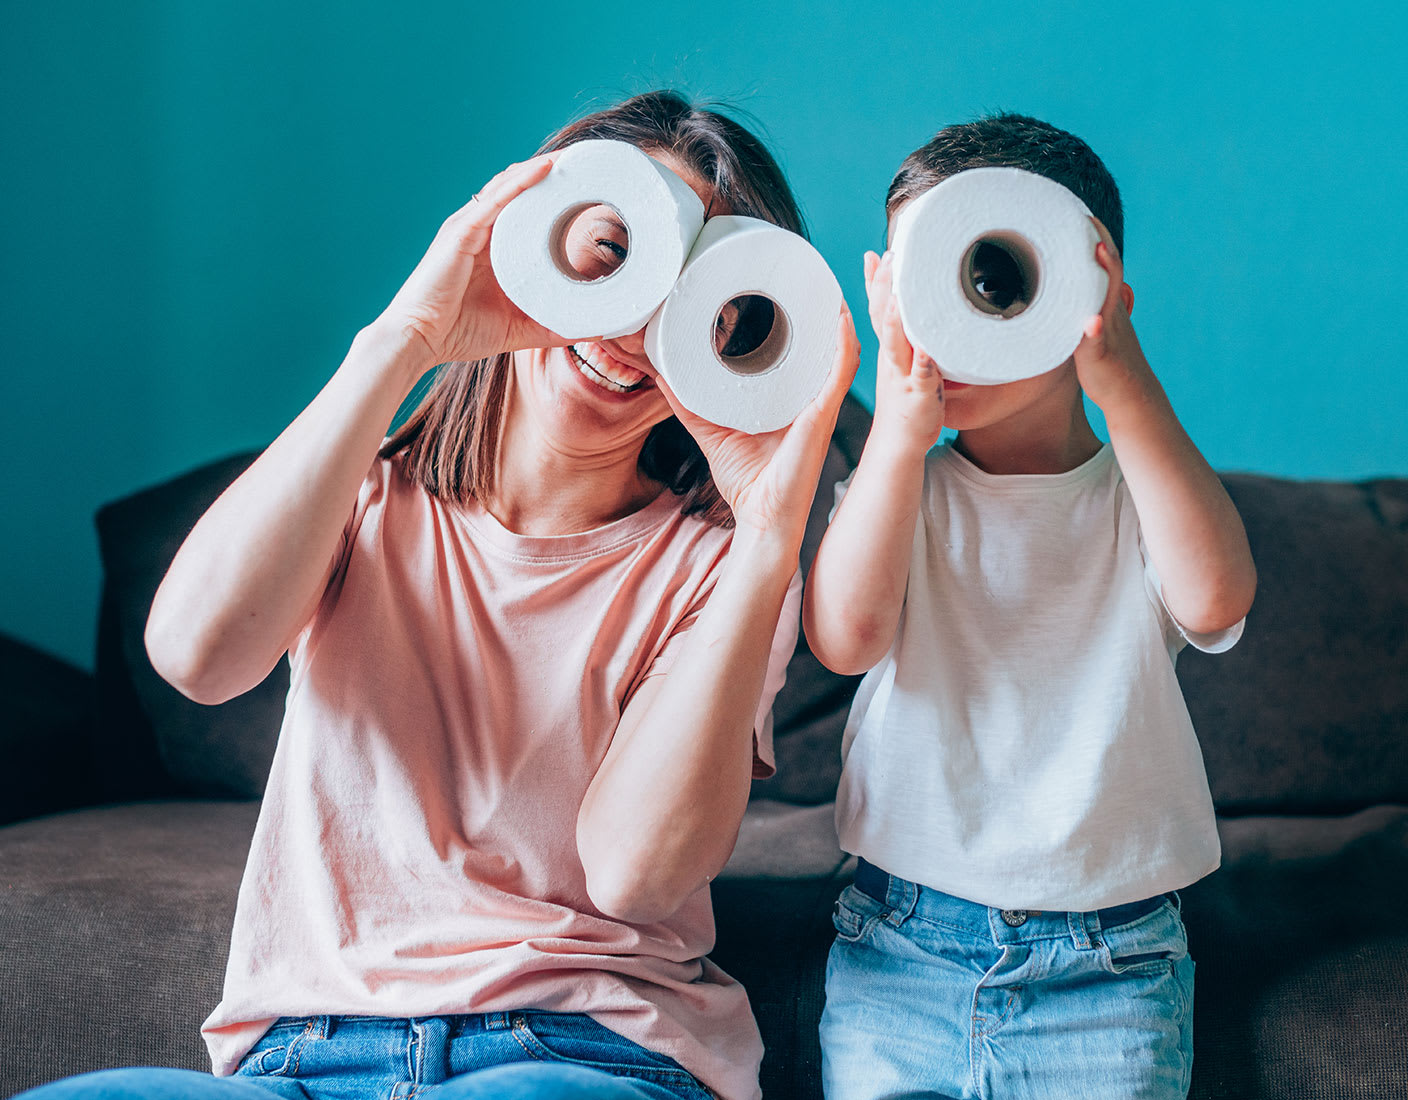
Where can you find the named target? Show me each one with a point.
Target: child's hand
(909, 390)
(1109, 358)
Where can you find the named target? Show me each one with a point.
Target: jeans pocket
(576, 1039)
(1152, 945)
(276, 1052)
(854, 913)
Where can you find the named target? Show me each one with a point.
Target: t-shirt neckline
(577, 544)
(969, 471)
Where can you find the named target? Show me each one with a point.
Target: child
(1022, 782)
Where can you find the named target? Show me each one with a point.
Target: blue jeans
(495, 1056)
(930, 995)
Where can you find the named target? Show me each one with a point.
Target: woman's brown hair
(450, 442)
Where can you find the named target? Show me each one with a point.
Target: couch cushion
(222, 751)
(1309, 712)
(114, 929)
(1302, 986)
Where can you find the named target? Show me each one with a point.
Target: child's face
(1033, 403)
(998, 280)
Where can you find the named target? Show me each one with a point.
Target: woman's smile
(599, 366)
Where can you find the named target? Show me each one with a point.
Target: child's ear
(1127, 297)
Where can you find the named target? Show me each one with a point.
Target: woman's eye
(617, 250)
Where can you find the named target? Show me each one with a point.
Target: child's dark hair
(1012, 141)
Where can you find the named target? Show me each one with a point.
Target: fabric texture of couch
(126, 813)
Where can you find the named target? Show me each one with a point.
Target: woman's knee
(146, 1083)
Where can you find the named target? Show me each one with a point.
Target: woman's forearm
(662, 815)
(250, 573)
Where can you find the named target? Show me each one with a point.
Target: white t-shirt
(1025, 744)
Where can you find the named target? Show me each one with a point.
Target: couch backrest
(1308, 714)
(152, 740)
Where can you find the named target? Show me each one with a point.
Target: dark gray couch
(129, 813)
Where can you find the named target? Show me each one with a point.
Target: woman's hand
(769, 480)
(452, 303)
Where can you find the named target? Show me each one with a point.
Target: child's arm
(1190, 526)
(856, 587)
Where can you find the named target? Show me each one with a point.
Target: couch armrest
(46, 730)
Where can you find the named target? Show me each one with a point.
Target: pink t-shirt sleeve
(784, 641)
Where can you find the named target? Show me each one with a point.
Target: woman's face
(603, 391)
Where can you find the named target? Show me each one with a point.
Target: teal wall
(202, 202)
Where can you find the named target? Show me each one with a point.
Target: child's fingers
(878, 294)
(1093, 343)
(894, 344)
(1108, 257)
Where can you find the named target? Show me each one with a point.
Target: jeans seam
(658, 1074)
(295, 1052)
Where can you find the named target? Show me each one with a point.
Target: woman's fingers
(472, 223)
(844, 366)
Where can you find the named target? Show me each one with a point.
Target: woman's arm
(251, 572)
(662, 813)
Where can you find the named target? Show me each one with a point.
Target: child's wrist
(897, 445)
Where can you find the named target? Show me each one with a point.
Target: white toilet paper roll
(662, 216)
(766, 388)
(1043, 227)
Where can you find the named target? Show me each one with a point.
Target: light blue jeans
(495, 1056)
(930, 995)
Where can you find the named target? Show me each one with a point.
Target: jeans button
(1014, 918)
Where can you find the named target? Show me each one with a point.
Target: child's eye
(996, 291)
(997, 277)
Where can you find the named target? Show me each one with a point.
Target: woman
(532, 665)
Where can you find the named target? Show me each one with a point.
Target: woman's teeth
(593, 364)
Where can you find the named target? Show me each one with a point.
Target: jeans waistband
(1003, 924)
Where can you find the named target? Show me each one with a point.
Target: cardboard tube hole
(589, 242)
(1000, 274)
(751, 334)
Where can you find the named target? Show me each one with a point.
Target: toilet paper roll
(1043, 227)
(766, 388)
(662, 216)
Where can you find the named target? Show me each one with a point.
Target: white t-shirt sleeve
(841, 487)
(1219, 641)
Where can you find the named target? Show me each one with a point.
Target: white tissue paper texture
(736, 256)
(662, 214)
(932, 237)
(694, 268)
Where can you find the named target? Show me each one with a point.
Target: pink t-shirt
(450, 702)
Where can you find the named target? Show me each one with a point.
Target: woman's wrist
(390, 352)
(769, 556)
